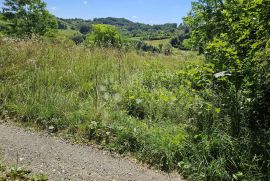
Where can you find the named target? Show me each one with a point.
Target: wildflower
(117, 97)
(106, 96)
(106, 82)
(139, 101)
(222, 74)
(32, 61)
(103, 88)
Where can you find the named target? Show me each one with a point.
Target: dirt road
(64, 161)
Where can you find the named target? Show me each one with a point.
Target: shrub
(104, 35)
(77, 38)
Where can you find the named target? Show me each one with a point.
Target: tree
(234, 36)
(28, 17)
(105, 35)
(62, 25)
(85, 29)
(77, 38)
(168, 49)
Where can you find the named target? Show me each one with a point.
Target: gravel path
(64, 161)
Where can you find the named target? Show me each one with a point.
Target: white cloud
(85, 2)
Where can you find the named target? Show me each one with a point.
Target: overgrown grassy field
(142, 104)
(156, 43)
(68, 32)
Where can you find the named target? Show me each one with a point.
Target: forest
(193, 98)
(126, 27)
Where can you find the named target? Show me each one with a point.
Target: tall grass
(151, 106)
(107, 95)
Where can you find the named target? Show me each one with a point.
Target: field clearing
(68, 32)
(123, 101)
(157, 42)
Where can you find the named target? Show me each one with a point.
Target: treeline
(17, 20)
(178, 35)
(126, 27)
(31, 19)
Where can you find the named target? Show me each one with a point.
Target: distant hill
(125, 26)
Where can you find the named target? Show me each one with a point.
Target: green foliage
(234, 36)
(167, 49)
(142, 46)
(104, 35)
(131, 29)
(85, 29)
(4, 26)
(100, 94)
(28, 17)
(126, 27)
(17, 173)
(208, 120)
(178, 41)
(54, 36)
(77, 38)
(62, 25)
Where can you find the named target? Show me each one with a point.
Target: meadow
(156, 43)
(123, 100)
(147, 105)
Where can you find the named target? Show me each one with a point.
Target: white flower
(139, 101)
(106, 96)
(106, 82)
(103, 88)
(32, 61)
(117, 97)
(222, 74)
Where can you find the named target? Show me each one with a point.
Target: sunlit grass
(126, 101)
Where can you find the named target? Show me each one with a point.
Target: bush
(142, 46)
(85, 29)
(104, 35)
(77, 38)
(167, 49)
(53, 36)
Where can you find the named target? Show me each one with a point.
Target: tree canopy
(234, 35)
(28, 17)
(126, 27)
(105, 35)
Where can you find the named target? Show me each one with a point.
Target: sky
(145, 11)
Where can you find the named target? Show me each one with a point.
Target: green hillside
(126, 27)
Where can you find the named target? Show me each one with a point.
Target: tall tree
(28, 17)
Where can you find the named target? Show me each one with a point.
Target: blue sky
(146, 11)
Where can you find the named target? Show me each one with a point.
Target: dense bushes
(126, 27)
(104, 35)
(140, 45)
(233, 35)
